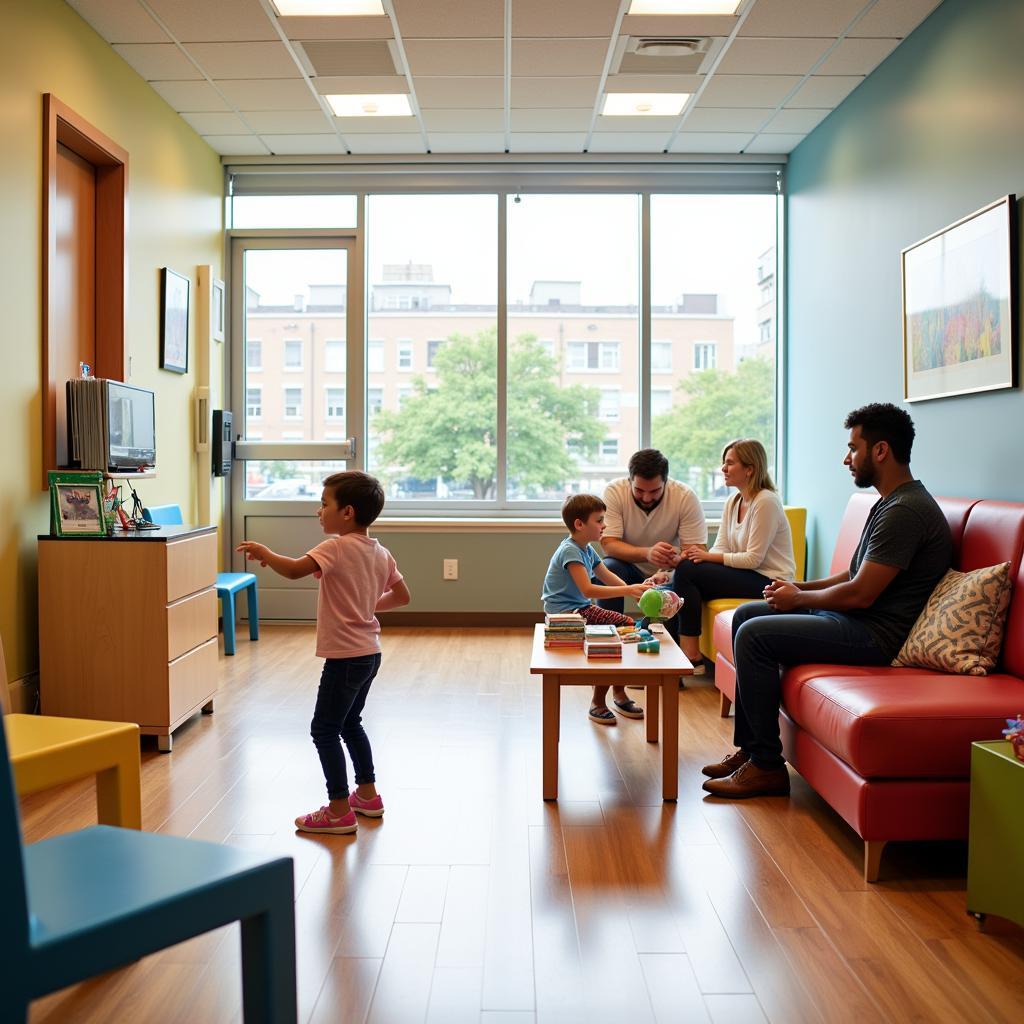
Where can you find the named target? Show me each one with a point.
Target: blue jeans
(628, 572)
(344, 684)
(696, 582)
(764, 640)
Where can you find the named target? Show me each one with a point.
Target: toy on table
(651, 646)
(659, 603)
(1015, 734)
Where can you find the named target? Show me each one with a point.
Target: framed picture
(959, 306)
(76, 505)
(217, 310)
(173, 321)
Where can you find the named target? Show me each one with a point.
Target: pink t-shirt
(356, 571)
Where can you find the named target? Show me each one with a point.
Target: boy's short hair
(582, 507)
(360, 490)
(883, 421)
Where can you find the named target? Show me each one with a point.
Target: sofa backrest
(850, 529)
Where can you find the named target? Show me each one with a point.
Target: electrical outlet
(450, 570)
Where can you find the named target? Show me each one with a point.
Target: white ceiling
(494, 76)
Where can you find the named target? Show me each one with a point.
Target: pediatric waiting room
(511, 511)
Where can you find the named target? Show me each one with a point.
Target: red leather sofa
(889, 748)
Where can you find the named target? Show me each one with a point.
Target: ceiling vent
(664, 55)
(666, 46)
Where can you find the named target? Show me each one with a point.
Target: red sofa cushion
(900, 722)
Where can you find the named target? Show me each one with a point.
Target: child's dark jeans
(344, 684)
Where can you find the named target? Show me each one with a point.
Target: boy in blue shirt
(569, 587)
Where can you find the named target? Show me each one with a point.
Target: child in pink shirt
(358, 577)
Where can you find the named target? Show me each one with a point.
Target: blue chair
(88, 902)
(228, 583)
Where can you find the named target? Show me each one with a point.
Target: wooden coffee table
(655, 672)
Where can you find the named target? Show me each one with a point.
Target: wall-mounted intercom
(221, 438)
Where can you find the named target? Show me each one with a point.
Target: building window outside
(661, 357)
(374, 400)
(375, 357)
(593, 356)
(404, 394)
(764, 329)
(335, 403)
(705, 355)
(253, 403)
(293, 354)
(608, 408)
(253, 354)
(404, 354)
(293, 403)
(433, 347)
(334, 355)
(609, 450)
(661, 401)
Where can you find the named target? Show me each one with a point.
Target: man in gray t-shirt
(857, 617)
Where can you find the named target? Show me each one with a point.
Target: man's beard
(865, 476)
(647, 508)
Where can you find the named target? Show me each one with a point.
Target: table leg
(651, 711)
(118, 788)
(551, 700)
(670, 737)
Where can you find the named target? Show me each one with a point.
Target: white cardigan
(762, 542)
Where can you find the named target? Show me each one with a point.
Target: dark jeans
(696, 582)
(344, 684)
(628, 572)
(762, 641)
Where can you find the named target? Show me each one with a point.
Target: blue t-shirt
(560, 593)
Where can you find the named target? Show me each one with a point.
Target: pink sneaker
(371, 808)
(323, 821)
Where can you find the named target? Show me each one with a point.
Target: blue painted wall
(934, 133)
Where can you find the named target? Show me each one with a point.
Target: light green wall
(175, 219)
(933, 134)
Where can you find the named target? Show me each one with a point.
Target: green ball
(650, 603)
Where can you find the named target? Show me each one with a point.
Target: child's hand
(659, 578)
(637, 590)
(254, 552)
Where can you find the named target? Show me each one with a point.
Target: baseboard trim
(460, 618)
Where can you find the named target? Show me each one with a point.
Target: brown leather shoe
(726, 766)
(749, 780)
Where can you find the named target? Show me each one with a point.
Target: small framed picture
(173, 321)
(76, 505)
(217, 310)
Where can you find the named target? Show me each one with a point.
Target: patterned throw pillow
(961, 627)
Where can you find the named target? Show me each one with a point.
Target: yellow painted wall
(175, 219)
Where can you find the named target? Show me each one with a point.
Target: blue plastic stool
(228, 583)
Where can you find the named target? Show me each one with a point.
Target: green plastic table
(995, 882)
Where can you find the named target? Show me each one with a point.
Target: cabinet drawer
(191, 622)
(191, 565)
(192, 680)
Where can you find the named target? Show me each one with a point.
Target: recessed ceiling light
(644, 104)
(684, 6)
(383, 105)
(327, 8)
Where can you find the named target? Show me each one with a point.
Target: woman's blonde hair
(751, 453)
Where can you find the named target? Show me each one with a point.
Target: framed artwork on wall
(174, 290)
(217, 310)
(960, 306)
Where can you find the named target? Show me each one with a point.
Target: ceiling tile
(325, 84)
(162, 61)
(288, 122)
(459, 142)
(217, 124)
(465, 120)
(800, 18)
(802, 121)
(558, 57)
(124, 22)
(653, 125)
(451, 19)
(294, 145)
(459, 93)
(548, 142)
(749, 90)
(774, 143)
(268, 94)
(236, 145)
(857, 56)
(773, 56)
(350, 57)
(390, 143)
(198, 96)
(824, 91)
(678, 25)
(554, 92)
(628, 142)
(224, 21)
(726, 119)
(337, 28)
(376, 125)
(561, 119)
(894, 18)
(450, 57)
(244, 60)
(710, 142)
(653, 83)
(579, 18)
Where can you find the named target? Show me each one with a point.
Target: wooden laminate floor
(473, 900)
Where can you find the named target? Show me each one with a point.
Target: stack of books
(602, 642)
(563, 629)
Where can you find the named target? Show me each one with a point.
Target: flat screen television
(131, 426)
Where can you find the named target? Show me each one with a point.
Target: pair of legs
(628, 572)
(697, 582)
(344, 685)
(599, 711)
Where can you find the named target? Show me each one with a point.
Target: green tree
(719, 407)
(449, 431)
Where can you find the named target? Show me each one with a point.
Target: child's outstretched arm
(614, 588)
(289, 568)
(396, 597)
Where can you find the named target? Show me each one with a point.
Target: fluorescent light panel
(328, 8)
(644, 104)
(381, 105)
(684, 6)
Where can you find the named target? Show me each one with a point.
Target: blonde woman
(754, 545)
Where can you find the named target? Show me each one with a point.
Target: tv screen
(131, 425)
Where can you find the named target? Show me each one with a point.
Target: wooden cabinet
(128, 627)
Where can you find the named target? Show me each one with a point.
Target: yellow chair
(46, 751)
(798, 527)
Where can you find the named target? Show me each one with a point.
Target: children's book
(599, 632)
